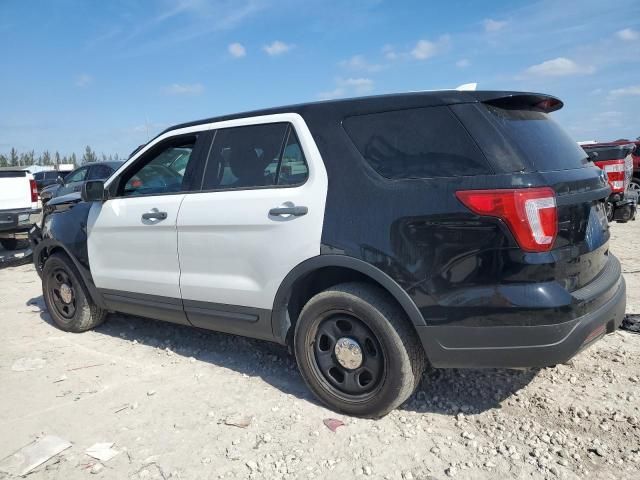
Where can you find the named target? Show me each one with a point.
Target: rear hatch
(524, 144)
(15, 190)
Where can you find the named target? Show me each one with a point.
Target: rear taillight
(34, 190)
(530, 213)
(615, 170)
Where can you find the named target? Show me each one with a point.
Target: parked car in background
(616, 160)
(373, 236)
(49, 177)
(18, 206)
(73, 181)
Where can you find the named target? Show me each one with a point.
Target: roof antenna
(467, 87)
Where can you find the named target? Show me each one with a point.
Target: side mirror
(60, 180)
(93, 191)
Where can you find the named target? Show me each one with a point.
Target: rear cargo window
(538, 141)
(416, 143)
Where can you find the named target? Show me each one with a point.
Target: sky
(112, 74)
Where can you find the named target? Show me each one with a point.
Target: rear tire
(357, 351)
(66, 296)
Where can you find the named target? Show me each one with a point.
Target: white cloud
(237, 50)
(425, 49)
(348, 87)
(628, 34)
(559, 67)
(277, 48)
(463, 63)
(631, 91)
(491, 25)
(389, 52)
(358, 62)
(184, 89)
(83, 80)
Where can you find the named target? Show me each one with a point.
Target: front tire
(357, 351)
(66, 296)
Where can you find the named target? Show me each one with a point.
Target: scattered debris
(631, 323)
(26, 364)
(33, 455)
(151, 393)
(85, 366)
(97, 468)
(332, 423)
(102, 451)
(62, 378)
(240, 421)
(124, 407)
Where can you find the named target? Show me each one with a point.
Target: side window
(99, 172)
(161, 170)
(416, 143)
(245, 157)
(77, 176)
(293, 167)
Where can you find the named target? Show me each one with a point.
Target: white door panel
(232, 251)
(129, 253)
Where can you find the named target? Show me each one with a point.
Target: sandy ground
(164, 395)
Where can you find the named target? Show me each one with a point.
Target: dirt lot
(165, 394)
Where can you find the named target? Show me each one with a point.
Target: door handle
(154, 215)
(295, 211)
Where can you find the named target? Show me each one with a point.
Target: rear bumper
(521, 346)
(17, 221)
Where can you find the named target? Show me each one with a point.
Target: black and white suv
(374, 236)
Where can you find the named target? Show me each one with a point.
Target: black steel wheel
(66, 297)
(62, 294)
(357, 351)
(348, 355)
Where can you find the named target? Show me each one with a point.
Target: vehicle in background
(73, 181)
(48, 177)
(616, 160)
(18, 206)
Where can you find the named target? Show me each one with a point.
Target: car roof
(363, 105)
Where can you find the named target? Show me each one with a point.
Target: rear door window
(255, 156)
(416, 143)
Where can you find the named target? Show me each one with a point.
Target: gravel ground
(168, 398)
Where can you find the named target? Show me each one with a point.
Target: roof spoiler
(526, 101)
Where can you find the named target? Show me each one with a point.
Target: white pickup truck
(18, 206)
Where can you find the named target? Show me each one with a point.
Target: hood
(73, 197)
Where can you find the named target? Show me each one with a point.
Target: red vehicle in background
(617, 159)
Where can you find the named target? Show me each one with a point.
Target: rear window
(529, 140)
(416, 143)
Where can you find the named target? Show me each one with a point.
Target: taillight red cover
(530, 213)
(615, 170)
(34, 190)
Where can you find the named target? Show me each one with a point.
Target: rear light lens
(530, 213)
(615, 170)
(34, 190)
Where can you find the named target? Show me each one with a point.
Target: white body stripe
(219, 247)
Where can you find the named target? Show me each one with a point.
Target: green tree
(4, 161)
(89, 155)
(14, 158)
(45, 158)
(74, 160)
(56, 158)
